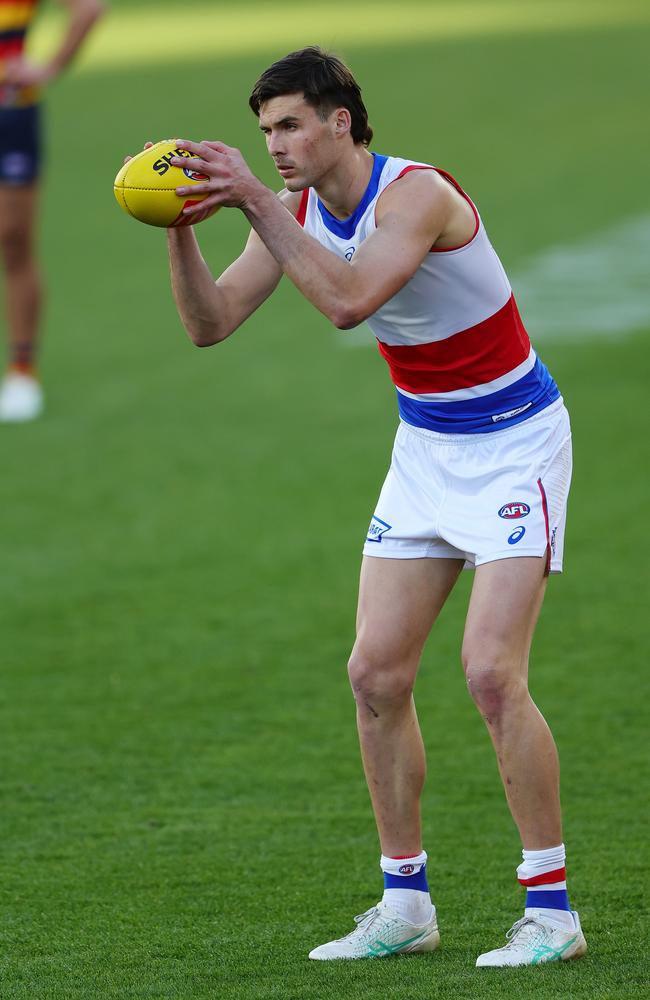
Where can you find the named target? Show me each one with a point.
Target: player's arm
(82, 15)
(411, 215)
(211, 310)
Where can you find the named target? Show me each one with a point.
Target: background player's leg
(505, 604)
(399, 600)
(23, 291)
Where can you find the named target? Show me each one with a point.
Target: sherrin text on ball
(146, 185)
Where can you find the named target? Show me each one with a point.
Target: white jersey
(458, 352)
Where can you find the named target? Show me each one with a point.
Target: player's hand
(20, 72)
(147, 145)
(229, 180)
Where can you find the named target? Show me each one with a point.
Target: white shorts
(477, 497)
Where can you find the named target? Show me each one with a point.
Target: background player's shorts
(20, 148)
(477, 497)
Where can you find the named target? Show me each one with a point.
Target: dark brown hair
(325, 81)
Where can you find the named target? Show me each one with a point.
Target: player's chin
(294, 184)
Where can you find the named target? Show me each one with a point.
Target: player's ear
(342, 121)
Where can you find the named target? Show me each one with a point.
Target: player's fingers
(218, 147)
(198, 148)
(196, 164)
(194, 189)
(202, 205)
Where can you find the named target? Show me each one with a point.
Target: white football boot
(381, 932)
(533, 940)
(21, 398)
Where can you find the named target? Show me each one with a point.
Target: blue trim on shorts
(530, 394)
(20, 144)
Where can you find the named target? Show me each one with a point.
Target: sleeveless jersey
(456, 347)
(15, 18)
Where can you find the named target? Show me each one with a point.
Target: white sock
(543, 873)
(406, 890)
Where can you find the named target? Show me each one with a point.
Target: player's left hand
(21, 72)
(229, 182)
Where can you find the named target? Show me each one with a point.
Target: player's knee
(376, 681)
(493, 688)
(15, 248)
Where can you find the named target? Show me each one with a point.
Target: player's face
(303, 146)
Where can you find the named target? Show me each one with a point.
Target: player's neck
(342, 188)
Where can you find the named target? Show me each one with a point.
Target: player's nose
(275, 145)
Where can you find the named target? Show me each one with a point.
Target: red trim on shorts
(301, 214)
(559, 875)
(548, 533)
(404, 857)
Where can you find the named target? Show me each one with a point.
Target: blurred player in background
(21, 85)
(480, 472)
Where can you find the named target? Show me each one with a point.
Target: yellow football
(145, 187)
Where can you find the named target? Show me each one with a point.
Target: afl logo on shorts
(194, 175)
(407, 869)
(511, 511)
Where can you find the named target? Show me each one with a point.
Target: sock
(406, 890)
(22, 368)
(544, 875)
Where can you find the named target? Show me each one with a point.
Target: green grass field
(180, 548)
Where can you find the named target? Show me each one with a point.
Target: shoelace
(519, 925)
(365, 919)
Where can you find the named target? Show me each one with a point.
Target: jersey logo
(514, 509)
(349, 253)
(377, 530)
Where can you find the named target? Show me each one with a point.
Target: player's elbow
(348, 315)
(205, 339)
(205, 335)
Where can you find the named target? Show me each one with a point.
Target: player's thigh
(18, 210)
(399, 600)
(504, 606)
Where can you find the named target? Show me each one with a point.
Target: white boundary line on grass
(599, 287)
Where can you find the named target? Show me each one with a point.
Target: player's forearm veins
(200, 305)
(328, 282)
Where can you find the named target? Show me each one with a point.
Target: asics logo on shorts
(514, 509)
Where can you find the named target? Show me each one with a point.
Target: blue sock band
(548, 899)
(418, 881)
